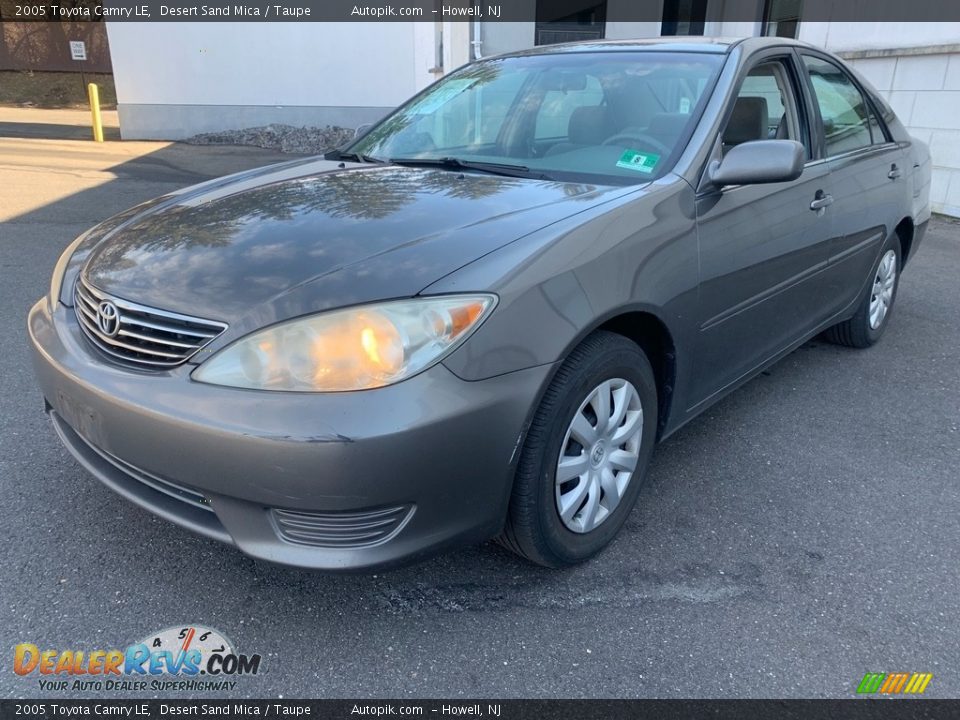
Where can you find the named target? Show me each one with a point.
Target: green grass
(53, 89)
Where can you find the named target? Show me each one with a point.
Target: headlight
(60, 269)
(353, 349)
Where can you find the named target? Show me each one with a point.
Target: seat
(783, 131)
(747, 122)
(588, 125)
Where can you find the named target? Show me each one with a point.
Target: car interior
(638, 113)
(595, 120)
(764, 109)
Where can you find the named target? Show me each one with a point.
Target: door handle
(894, 172)
(821, 201)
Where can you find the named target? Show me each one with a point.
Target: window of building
(683, 17)
(781, 18)
(569, 21)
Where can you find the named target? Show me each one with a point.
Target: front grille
(140, 335)
(341, 530)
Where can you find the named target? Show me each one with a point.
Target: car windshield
(604, 117)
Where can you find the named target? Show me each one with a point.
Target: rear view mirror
(759, 161)
(564, 80)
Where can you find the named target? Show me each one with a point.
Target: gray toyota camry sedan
(478, 318)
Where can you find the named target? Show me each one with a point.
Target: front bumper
(327, 481)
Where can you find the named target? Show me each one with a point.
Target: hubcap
(882, 293)
(599, 455)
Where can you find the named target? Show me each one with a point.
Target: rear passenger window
(846, 119)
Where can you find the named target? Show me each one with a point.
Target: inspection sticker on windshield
(641, 162)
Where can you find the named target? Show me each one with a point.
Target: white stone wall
(178, 79)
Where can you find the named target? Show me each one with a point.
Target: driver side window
(765, 107)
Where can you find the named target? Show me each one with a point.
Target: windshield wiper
(457, 164)
(352, 157)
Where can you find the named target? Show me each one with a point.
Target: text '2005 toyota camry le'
(478, 318)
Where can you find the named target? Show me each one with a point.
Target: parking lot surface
(801, 533)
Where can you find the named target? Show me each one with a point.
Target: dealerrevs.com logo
(188, 658)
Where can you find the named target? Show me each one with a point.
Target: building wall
(849, 36)
(175, 80)
(505, 37)
(916, 67)
(618, 30)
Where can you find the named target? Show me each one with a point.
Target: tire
(534, 528)
(862, 330)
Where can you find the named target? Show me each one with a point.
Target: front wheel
(586, 454)
(873, 313)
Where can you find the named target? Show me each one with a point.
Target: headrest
(748, 121)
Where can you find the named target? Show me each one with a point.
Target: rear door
(868, 171)
(763, 248)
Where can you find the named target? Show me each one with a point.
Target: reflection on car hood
(222, 249)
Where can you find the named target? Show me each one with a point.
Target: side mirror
(361, 130)
(759, 161)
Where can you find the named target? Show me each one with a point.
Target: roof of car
(715, 45)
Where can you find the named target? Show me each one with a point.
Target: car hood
(261, 243)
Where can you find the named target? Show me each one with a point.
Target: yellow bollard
(93, 94)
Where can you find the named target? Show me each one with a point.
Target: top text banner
(434, 10)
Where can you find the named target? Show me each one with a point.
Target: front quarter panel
(558, 285)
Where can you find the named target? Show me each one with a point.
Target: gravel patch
(285, 138)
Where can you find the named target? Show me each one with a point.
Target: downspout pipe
(477, 40)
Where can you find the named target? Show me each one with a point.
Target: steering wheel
(646, 141)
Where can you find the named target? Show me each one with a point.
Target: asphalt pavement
(801, 533)
(65, 124)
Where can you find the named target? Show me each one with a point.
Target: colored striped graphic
(894, 683)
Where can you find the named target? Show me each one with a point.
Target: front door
(763, 248)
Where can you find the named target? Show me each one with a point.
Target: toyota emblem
(108, 318)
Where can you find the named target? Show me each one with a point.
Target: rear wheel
(873, 314)
(586, 454)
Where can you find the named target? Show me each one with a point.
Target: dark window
(570, 21)
(846, 120)
(781, 18)
(683, 17)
